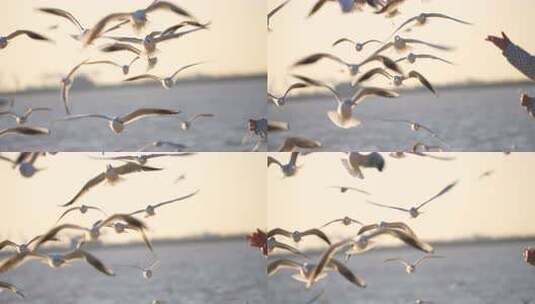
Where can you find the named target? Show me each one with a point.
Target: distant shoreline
(242, 238)
(88, 85)
(85, 84)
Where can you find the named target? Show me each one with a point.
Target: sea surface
(466, 119)
(231, 272)
(232, 102)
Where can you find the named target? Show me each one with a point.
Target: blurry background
(231, 200)
(497, 206)
(295, 36)
(234, 45)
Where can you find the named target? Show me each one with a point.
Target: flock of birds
(81, 236)
(141, 48)
(381, 65)
(285, 256)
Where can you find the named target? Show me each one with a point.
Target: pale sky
(497, 206)
(295, 36)
(236, 43)
(231, 198)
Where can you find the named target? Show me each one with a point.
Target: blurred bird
(356, 160)
(4, 40)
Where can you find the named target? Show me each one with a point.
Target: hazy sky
(497, 206)
(236, 43)
(295, 36)
(231, 198)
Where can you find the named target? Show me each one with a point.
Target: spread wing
(144, 112)
(63, 14)
(168, 6)
(277, 265)
(442, 192)
(90, 184)
(134, 167)
(423, 81)
(144, 76)
(25, 131)
(30, 34)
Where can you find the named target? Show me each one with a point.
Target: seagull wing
(25, 131)
(144, 76)
(194, 118)
(427, 56)
(288, 248)
(165, 5)
(320, 84)
(117, 47)
(279, 231)
(109, 62)
(317, 233)
(67, 212)
(367, 228)
(355, 172)
(184, 68)
(89, 258)
(403, 25)
(435, 46)
(397, 260)
(295, 86)
(311, 59)
(90, 184)
(371, 73)
(360, 95)
(32, 35)
(332, 222)
(438, 15)
(426, 257)
(337, 42)
(346, 273)
(442, 192)
(276, 9)
(134, 167)
(7, 243)
(64, 14)
(176, 199)
(408, 239)
(272, 160)
(387, 206)
(96, 31)
(12, 288)
(51, 234)
(291, 143)
(317, 7)
(144, 112)
(326, 258)
(293, 158)
(133, 40)
(82, 116)
(423, 80)
(277, 265)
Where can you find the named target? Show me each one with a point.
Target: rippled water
(232, 101)
(230, 272)
(218, 272)
(468, 119)
(470, 274)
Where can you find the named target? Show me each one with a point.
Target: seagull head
(397, 80)
(411, 58)
(414, 212)
(184, 125)
(296, 236)
(147, 274)
(27, 169)
(116, 125)
(358, 46)
(354, 69)
(3, 42)
(422, 18)
(150, 210)
(139, 17)
(377, 161)
(126, 69)
(168, 82)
